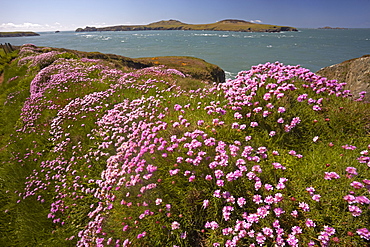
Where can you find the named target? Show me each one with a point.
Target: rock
(355, 72)
(195, 67)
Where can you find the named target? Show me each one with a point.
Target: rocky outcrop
(355, 72)
(195, 67)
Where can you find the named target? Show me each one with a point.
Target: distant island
(332, 28)
(224, 25)
(17, 34)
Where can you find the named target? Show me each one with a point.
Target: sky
(63, 15)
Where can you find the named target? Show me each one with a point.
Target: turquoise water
(232, 51)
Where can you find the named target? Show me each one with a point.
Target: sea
(232, 51)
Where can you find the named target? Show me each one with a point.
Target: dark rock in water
(355, 72)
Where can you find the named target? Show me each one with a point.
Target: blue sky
(51, 15)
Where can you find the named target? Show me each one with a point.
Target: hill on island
(224, 25)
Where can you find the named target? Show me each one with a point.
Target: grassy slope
(66, 133)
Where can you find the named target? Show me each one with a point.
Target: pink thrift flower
(310, 190)
(213, 225)
(141, 235)
(260, 238)
(192, 178)
(254, 124)
(269, 187)
(257, 199)
(258, 185)
(248, 138)
(205, 203)
(278, 211)
(310, 223)
(296, 230)
(281, 110)
(351, 170)
(220, 182)
(269, 200)
(268, 232)
(362, 200)
(294, 213)
(200, 122)
(241, 201)
(177, 107)
(278, 197)
(272, 133)
(357, 185)
(316, 197)
(237, 115)
(356, 211)
(158, 201)
(316, 108)
(257, 168)
(363, 233)
(304, 206)
(278, 166)
(292, 240)
(331, 175)
(175, 225)
(349, 198)
(217, 194)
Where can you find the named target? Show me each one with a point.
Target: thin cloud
(27, 26)
(256, 21)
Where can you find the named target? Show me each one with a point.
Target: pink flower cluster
(150, 140)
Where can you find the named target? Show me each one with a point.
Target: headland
(17, 34)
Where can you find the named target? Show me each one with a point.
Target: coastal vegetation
(224, 25)
(98, 152)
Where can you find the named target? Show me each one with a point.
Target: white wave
(229, 75)
(105, 38)
(88, 36)
(204, 34)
